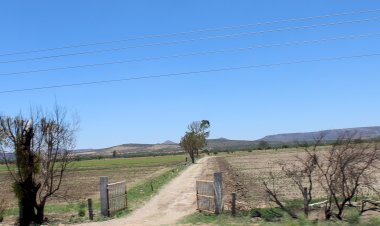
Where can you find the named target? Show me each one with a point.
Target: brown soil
(232, 183)
(83, 183)
(174, 201)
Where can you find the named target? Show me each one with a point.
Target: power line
(306, 42)
(194, 39)
(190, 73)
(195, 31)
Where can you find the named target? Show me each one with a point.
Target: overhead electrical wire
(193, 39)
(190, 73)
(195, 31)
(292, 43)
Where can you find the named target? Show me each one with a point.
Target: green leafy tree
(195, 138)
(263, 145)
(42, 145)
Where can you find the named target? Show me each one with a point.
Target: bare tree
(344, 169)
(300, 172)
(195, 138)
(3, 207)
(42, 145)
(341, 170)
(271, 188)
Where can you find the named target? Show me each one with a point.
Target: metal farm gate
(205, 196)
(117, 197)
(210, 194)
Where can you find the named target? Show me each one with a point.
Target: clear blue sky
(241, 104)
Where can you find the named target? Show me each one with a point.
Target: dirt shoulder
(232, 182)
(174, 201)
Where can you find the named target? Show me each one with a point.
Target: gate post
(233, 203)
(103, 196)
(90, 209)
(218, 185)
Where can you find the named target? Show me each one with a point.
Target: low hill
(363, 132)
(223, 144)
(168, 142)
(140, 148)
(226, 144)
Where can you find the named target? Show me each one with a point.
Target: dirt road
(173, 202)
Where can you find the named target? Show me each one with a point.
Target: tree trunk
(27, 195)
(192, 155)
(328, 214)
(27, 201)
(26, 212)
(340, 211)
(40, 213)
(25, 189)
(305, 202)
(342, 206)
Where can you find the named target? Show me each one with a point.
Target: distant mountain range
(169, 142)
(363, 132)
(226, 144)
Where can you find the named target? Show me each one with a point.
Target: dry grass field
(82, 179)
(82, 182)
(245, 172)
(250, 169)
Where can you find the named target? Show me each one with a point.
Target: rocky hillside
(363, 132)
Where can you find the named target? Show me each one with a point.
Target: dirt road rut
(174, 201)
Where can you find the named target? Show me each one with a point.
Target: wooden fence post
(233, 203)
(305, 202)
(103, 196)
(218, 186)
(90, 210)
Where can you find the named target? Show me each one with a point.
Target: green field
(244, 218)
(82, 182)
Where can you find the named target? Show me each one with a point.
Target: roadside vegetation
(42, 145)
(340, 180)
(271, 219)
(309, 183)
(344, 175)
(142, 174)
